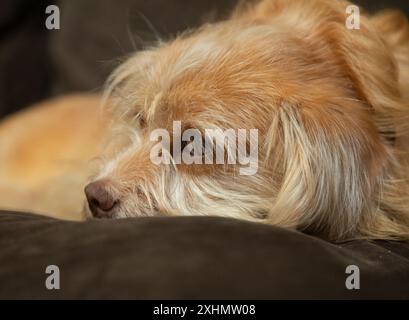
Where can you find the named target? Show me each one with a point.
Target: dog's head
(313, 91)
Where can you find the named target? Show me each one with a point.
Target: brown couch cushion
(189, 258)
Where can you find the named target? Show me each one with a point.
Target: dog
(330, 105)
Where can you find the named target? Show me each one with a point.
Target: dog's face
(318, 146)
(219, 78)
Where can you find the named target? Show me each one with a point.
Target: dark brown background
(36, 63)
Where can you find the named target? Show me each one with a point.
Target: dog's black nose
(101, 201)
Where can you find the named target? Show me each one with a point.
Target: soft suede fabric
(190, 258)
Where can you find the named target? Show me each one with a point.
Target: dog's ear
(329, 162)
(371, 57)
(369, 61)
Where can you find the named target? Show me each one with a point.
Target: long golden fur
(331, 106)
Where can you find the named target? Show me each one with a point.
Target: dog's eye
(184, 144)
(140, 119)
(198, 149)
